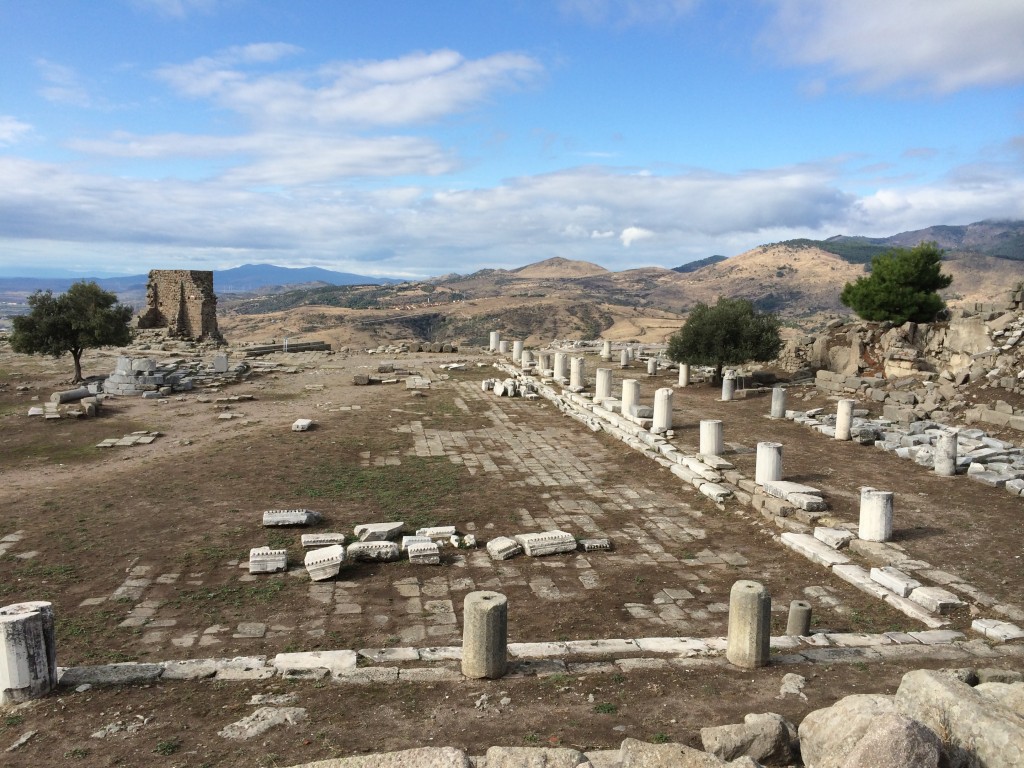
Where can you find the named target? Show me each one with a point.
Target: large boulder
(895, 741)
(1010, 696)
(640, 754)
(827, 736)
(768, 738)
(535, 757)
(975, 728)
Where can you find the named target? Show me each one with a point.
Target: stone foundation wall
(182, 301)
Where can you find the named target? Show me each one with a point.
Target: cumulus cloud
(938, 46)
(631, 235)
(414, 88)
(12, 130)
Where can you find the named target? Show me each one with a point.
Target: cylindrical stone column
(576, 373)
(503, 347)
(495, 339)
(768, 466)
(517, 350)
(624, 358)
(602, 384)
(630, 395)
(561, 366)
(28, 652)
(711, 437)
(606, 351)
(652, 366)
(945, 454)
(844, 418)
(750, 608)
(684, 374)
(526, 359)
(728, 385)
(484, 635)
(799, 623)
(662, 411)
(544, 361)
(778, 410)
(875, 515)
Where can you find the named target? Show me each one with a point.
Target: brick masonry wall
(182, 301)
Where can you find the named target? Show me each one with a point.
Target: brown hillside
(559, 268)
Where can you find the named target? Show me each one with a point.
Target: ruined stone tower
(183, 302)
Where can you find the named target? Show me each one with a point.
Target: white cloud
(631, 235)
(414, 88)
(12, 130)
(939, 46)
(63, 84)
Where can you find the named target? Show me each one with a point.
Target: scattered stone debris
(324, 563)
(261, 721)
(135, 438)
(124, 727)
(378, 531)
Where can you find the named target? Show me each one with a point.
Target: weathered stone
(182, 301)
(595, 545)
(827, 736)
(424, 554)
(378, 531)
(896, 741)
(437, 532)
(895, 580)
(374, 551)
(421, 757)
(767, 738)
(503, 548)
(640, 754)
(275, 517)
(316, 540)
(335, 662)
(535, 757)
(301, 425)
(408, 541)
(267, 560)
(983, 730)
(110, 674)
(261, 721)
(546, 543)
(485, 635)
(324, 563)
(936, 599)
(837, 538)
(749, 625)
(28, 654)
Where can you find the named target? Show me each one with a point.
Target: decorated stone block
(408, 541)
(377, 531)
(316, 540)
(267, 560)
(424, 554)
(373, 551)
(596, 545)
(324, 563)
(503, 548)
(437, 532)
(276, 517)
(546, 543)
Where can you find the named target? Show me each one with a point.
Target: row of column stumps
(876, 507)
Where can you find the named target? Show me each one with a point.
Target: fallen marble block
(503, 548)
(995, 629)
(377, 531)
(267, 560)
(275, 517)
(595, 545)
(837, 538)
(324, 563)
(469, 541)
(424, 554)
(936, 599)
(262, 720)
(895, 580)
(437, 532)
(315, 540)
(806, 501)
(301, 425)
(408, 541)
(781, 489)
(546, 543)
(373, 551)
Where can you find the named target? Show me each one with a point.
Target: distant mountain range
(249, 278)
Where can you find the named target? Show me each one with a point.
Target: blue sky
(417, 138)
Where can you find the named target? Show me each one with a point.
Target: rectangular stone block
(437, 532)
(316, 540)
(837, 538)
(424, 554)
(814, 550)
(276, 517)
(503, 548)
(325, 562)
(781, 489)
(546, 543)
(375, 551)
(936, 599)
(895, 580)
(335, 662)
(267, 560)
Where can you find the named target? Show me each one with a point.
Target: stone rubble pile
(979, 456)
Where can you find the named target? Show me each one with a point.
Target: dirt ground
(140, 548)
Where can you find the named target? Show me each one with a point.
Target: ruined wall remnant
(183, 302)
